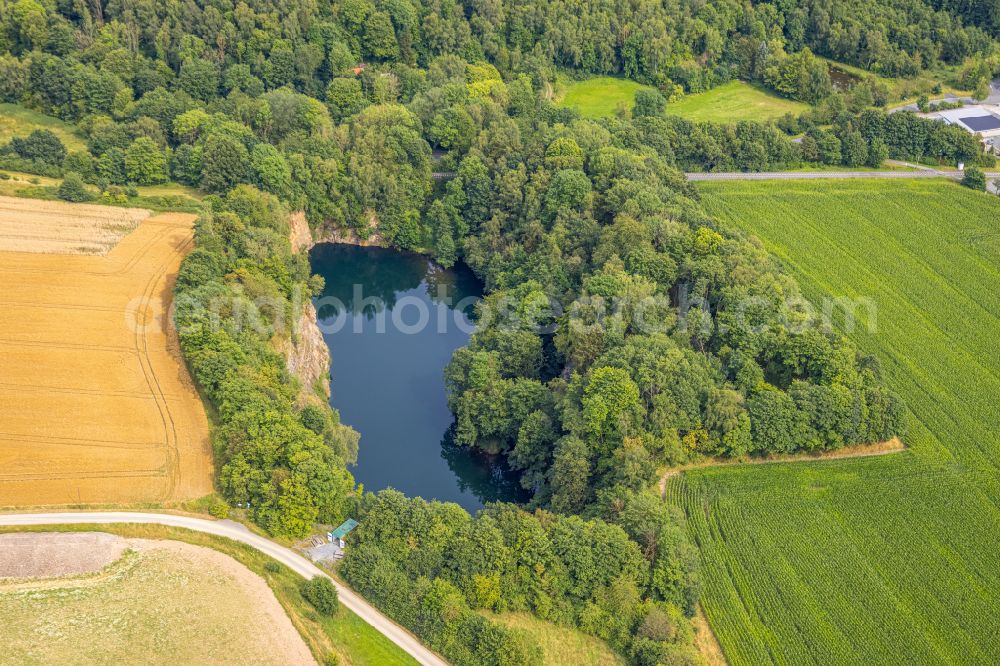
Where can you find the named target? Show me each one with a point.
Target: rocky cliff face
(307, 357)
(299, 233)
(327, 234)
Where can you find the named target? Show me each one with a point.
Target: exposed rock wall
(304, 238)
(299, 233)
(348, 237)
(308, 357)
(327, 234)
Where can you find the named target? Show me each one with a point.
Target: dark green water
(392, 321)
(842, 80)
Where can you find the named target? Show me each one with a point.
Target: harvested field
(93, 408)
(163, 602)
(32, 225)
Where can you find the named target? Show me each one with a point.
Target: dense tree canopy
(233, 293)
(623, 329)
(434, 566)
(84, 55)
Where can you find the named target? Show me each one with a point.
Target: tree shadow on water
(487, 477)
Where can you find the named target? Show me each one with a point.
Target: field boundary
(927, 172)
(706, 640)
(889, 446)
(239, 533)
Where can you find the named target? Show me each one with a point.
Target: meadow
(602, 96)
(599, 96)
(734, 101)
(140, 609)
(16, 120)
(561, 645)
(344, 635)
(19, 121)
(889, 559)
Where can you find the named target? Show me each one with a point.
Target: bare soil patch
(163, 602)
(705, 640)
(96, 404)
(48, 554)
(30, 225)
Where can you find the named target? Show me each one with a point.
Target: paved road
(923, 172)
(237, 532)
(820, 175)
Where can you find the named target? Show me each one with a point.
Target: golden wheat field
(96, 405)
(30, 225)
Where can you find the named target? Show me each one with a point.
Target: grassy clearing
(168, 197)
(732, 102)
(882, 560)
(600, 96)
(561, 646)
(16, 120)
(170, 190)
(356, 642)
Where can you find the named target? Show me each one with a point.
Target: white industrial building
(977, 119)
(981, 119)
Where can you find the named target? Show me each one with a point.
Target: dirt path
(894, 445)
(96, 405)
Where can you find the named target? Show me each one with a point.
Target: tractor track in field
(152, 381)
(107, 371)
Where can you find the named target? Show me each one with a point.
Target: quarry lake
(392, 321)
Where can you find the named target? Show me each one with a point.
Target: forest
(624, 330)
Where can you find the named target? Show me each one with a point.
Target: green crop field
(15, 120)
(734, 101)
(890, 559)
